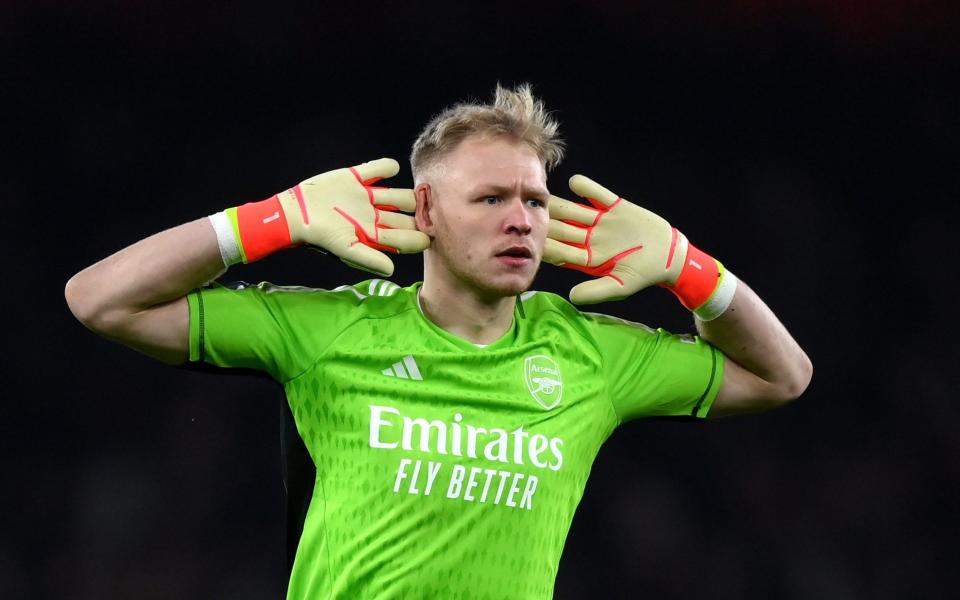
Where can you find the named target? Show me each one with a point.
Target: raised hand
(345, 212)
(626, 247)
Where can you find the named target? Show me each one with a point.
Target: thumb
(622, 282)
(598, 290)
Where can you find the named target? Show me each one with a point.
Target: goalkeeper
(441, 434)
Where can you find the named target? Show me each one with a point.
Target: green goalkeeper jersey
(445, 469)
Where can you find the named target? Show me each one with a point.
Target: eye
(491, 200)
(536, 203)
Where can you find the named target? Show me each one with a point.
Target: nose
(518, 219)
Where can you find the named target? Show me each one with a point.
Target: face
(485, 208)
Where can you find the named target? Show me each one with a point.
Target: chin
(509, 286)
(497, 283)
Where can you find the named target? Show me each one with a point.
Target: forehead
(497, 161)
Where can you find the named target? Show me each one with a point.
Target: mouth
(515, 256)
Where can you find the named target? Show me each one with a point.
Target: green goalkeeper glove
(341, 211)
(629, 248)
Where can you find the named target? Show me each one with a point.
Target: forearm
(151, 272)
(137, 296)
(752, 336)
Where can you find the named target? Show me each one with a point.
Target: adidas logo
(405, 368)
(379, 287)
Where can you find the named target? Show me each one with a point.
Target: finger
(376, 169)
(598, 290)
(558, 253)
(401, 198)
(367, 259)
(588, 188)
(407, 241)
(397, 220)
(564, 232)
(564, 210)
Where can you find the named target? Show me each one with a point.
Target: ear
(424, 213)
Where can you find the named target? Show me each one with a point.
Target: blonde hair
(514, 113)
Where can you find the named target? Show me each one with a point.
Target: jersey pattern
(443, 469)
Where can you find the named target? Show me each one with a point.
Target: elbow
(798, 381)
(791, 383)
(77, 302)
(744, 392)
(83, 303)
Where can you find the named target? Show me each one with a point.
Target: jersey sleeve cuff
(702, 408)
(195, 304)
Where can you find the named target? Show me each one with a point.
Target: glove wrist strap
(720, 299)
(227, 238)
(704, 286)
(258, 229)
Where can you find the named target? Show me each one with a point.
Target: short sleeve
(277, 329)
(655, 373)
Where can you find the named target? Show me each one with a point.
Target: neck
(465, 312)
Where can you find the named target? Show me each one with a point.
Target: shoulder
(376, 295)
(537, 303)
(547, 307)
(541, 304)
(548, 312)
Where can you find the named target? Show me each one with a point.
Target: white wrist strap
(226, 239)
(720, 300)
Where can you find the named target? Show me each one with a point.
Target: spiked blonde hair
(514, 113)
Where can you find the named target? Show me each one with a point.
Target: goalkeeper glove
(629, 248)
(341, 211)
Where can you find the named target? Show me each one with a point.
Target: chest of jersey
(468, 462)
(473, 423)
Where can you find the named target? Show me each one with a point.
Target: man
(451, 424)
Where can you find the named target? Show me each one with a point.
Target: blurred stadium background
(810, 145)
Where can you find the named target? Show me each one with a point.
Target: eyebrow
(502, 189)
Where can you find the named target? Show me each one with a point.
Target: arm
(628, 248)
(765, 366)
(138, 296)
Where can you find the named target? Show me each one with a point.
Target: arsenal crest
(542, 375)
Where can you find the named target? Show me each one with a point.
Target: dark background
(810, 145)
